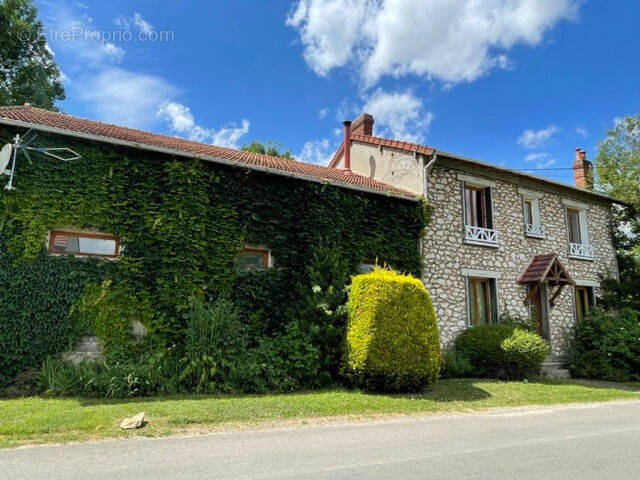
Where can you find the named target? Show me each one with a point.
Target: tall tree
(28, 72)
(618, 174)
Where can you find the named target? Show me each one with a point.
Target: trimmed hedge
(392, 336)
(502, 351)
(607, 346)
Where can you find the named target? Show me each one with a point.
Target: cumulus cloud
(452, 41)
(181, 121)
(229, 135)
(535, 138)
(316, 151)
(123, 97)
(400, 115)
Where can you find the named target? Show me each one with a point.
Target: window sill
(581, 257)
(534, 235)
(480, 244)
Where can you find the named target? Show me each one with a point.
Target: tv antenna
(9, 153)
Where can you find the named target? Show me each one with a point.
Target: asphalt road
(597, 441)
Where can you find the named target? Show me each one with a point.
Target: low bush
(148, 376)
(502, 351)
(455, 365)
(606, 346)
(392, 338)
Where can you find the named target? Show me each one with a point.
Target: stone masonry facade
(447, 257)
(449, 261)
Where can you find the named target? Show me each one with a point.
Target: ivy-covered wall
(181, 222)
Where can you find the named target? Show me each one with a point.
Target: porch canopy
(545, 269)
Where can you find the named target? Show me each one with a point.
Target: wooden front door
(538, 304)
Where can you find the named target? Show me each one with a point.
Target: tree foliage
(271, 148)
(28, 72)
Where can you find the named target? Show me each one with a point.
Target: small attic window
(83, 244)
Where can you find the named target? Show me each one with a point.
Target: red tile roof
(384, 142)
(32, 117)
(540, 267)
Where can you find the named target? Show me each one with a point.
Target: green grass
(34, 420)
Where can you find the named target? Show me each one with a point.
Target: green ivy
(181, 223)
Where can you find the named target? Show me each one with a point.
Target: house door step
(554, 366)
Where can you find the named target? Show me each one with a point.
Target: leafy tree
(270, 148)
(618, 174)
(27, 70)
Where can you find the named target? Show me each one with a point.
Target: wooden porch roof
(546, 268)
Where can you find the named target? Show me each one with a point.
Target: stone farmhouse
(500, 241)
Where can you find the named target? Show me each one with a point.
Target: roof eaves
(182, 153)
(531, 176)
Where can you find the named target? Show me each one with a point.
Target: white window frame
(475, 273)
(486, 237)
(584, 250)
(535, 229)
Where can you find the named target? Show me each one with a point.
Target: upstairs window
(573, 219)
(531, 209)
(83, 244)
(577, 231)
(478, 212)
(251, 259)
(478, 206)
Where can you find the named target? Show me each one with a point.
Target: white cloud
(400, 115)
(144, 26)
(180, 120)
(542, 159)
(329, 30)
(123, 97)
(453, 41)
(316, 151)
(535, 138)
(323, 112)
(229, 135)
(535, 156)
(582, 131)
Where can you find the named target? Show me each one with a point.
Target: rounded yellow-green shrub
(392, 341)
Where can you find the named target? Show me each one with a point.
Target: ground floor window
(78, 243)
(251, 259)
(585, 300)
(483, 301)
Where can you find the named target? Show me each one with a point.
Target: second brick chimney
(582, 170)
(363, 125)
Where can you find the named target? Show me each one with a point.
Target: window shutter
(488, 206)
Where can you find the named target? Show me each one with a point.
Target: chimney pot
(347, 146)
(363, 125)
(582, 170)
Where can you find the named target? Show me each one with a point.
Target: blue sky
(513, 82)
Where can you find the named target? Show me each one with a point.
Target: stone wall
(446, 255)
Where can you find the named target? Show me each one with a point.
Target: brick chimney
(582, 170)
(363, 125)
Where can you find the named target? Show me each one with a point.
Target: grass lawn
(35, 420)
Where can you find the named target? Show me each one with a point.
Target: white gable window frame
(579, 248)
(531, 213)
(486, 235)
